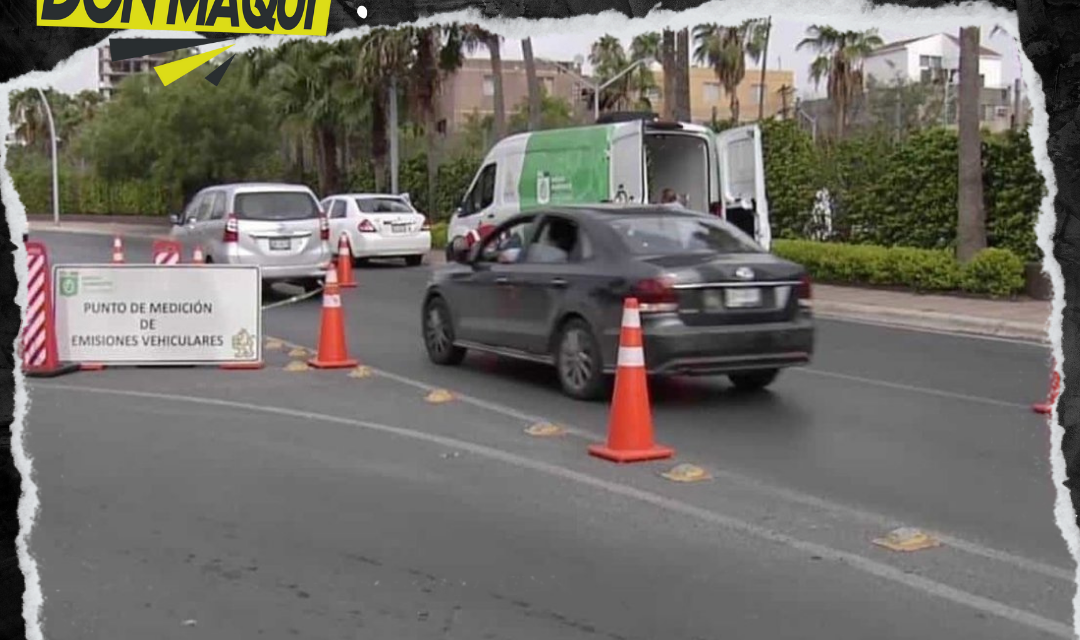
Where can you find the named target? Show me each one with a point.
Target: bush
(997, 272)
(438, 235)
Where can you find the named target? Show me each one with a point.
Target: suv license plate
(280, 244)
(742, 298)
(399, 228)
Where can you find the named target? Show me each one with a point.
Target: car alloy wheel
(439, 334)
(577, 359)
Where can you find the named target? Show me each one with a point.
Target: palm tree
(27, 112)
(534, 84)
(384, 54)
(840, 56)
(667, 61)
(474, 36)
(645, 48)
(971, 222)
(724, 49)
(608, 59)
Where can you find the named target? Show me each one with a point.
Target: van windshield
(671, 234)
(276, 205)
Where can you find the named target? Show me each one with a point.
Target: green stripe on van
(566, 166)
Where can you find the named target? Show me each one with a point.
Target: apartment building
(471, 90)
(112, 72)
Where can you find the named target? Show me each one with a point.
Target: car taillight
(324, 228)
(232, 229)
(804, 288)
(656, 295)
(365, 226)
(425, 226)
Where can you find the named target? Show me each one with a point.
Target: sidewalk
(1023, 319)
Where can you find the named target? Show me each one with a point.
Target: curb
(932, 320)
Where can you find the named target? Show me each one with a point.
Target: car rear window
(276, 205)
(661, 235)
(383, 205)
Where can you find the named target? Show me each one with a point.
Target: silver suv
(279, 227)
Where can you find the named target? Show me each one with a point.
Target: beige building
(472, 88)
(112, 72)
(707, 94)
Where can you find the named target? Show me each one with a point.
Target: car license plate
(399, 228)
(280, 244)
(741, 298)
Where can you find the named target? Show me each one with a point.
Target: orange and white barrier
(167, 252)
(40, 355)
(118, 250)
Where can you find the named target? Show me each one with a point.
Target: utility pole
(971, 217)
(683, 112)
(394, 135)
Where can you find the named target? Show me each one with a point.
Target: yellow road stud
(686, 473)
(361, 372)
(545, 430)
(438, 396)
(274, 345)
(296, 366)
(907, 539)
(298, 352)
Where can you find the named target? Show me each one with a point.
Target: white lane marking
(882, 521)
(1041, 344)
(866, 565)
(907, 387)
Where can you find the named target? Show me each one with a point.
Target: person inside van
(668, 196)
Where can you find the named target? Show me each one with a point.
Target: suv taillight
(804, 288)
(324, 227)
(425, 226)
(656, 295)
(365, 226)
(232, 229)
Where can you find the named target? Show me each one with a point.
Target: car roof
(261, 186)
(369, 195)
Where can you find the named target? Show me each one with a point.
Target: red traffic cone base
(630, 425)
(1047, 407)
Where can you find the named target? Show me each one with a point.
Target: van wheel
(754, 380)
(578, 362)
(439, 334)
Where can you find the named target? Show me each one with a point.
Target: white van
(630, 161)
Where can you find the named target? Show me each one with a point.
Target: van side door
(742, 182)
(627, 162)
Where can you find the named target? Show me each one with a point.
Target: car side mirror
(459, 250)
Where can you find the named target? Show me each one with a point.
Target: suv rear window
(669, 234)
(383, 205)
(276, 205)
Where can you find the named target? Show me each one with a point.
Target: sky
(80, 71)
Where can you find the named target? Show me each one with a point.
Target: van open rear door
(628, 161)
(742, 181)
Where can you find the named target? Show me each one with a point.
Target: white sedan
(378, 225)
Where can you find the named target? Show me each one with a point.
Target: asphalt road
(887, 427)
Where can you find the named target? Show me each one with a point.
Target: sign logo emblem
(69, 284)
(744, 273)
(243, 344)
(543, 188)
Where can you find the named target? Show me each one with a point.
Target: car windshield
(383, 205)
(668, 234)
(276, 205)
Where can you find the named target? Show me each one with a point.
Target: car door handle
(558, 282)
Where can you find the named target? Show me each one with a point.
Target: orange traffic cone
(630, 425)
(118, 250)
(344, 264)
(197, 256)
(1046, 408)
(333, 352)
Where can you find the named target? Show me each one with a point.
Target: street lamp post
(597, 88)
(55, 172)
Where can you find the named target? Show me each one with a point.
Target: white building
(930, 58)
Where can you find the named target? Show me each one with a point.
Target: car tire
(438, 333)
(414, 261)
(753, 380)
(579, 363)
(361, 262)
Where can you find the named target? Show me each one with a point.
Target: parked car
(379, 226)
(549, 286)
(633, 159)
(276, 226)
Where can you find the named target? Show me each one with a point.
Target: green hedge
(903, 193)
(997, 272)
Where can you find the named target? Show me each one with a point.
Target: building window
(712, 92)
(757, 93)
(548, 84)
(489, 86)
(930, 62)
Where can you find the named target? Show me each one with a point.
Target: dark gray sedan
(549, 286)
